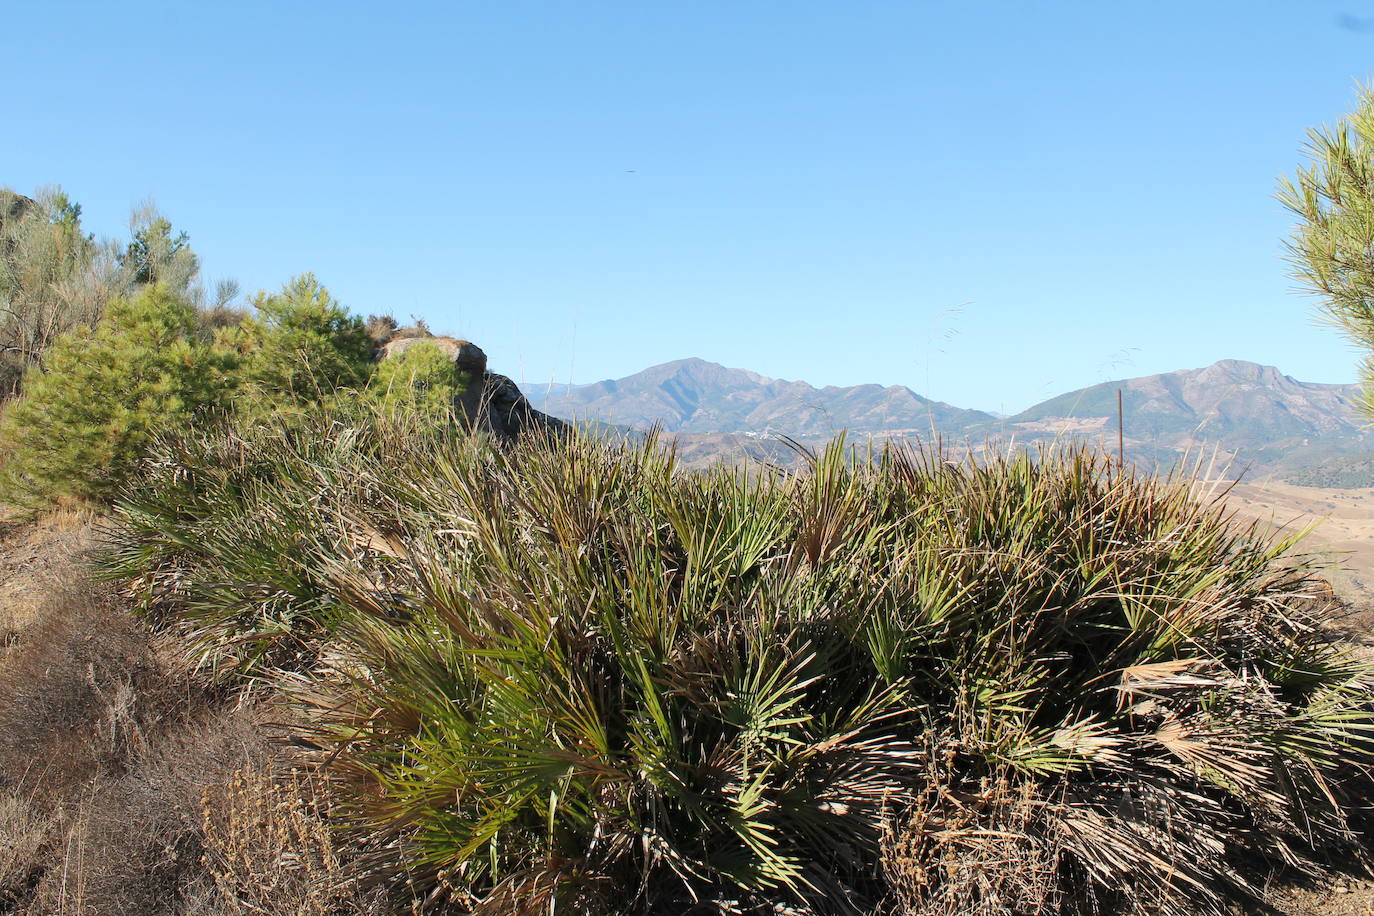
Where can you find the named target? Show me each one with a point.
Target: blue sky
(991, 203)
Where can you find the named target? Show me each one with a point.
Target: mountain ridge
(1250, 410)
(694, 395)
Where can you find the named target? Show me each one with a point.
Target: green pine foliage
(1333, 198)
(105, 393)
(566, 676)
(156, 365)
(154, 255)
(300, 347)
(55, 277)
(422, 379)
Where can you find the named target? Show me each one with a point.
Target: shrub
(55, 278)
(567, 673)
(380, 328)
(299, 348)
(420, 379)
(106, 392)
(233, 530)
(42, 248)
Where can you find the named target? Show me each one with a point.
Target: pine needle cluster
(1332, 245)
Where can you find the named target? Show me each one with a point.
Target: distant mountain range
(694, 396)
(1255, 415)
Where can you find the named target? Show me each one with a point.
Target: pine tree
(1332, 246)
(87, 417)
(300, 348)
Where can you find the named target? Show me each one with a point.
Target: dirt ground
(36, 559)
(1350, 898)
(1343, 534)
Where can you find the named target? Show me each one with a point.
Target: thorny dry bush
(973, 847)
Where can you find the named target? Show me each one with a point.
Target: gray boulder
(494, 404)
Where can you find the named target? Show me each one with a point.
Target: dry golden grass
(1344, 520)
(269, 849)
(125, 786)
(77, 693)
(127, 789)
(37, 558)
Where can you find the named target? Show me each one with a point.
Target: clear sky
(989, 202)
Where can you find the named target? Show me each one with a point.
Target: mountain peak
(696, 395)
(1243, 370)
(1250, 410)
(696, 369)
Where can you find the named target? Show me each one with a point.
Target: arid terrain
(1342, 522)
(1342, 529)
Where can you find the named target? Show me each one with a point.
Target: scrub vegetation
(344, 652)
(565, 673)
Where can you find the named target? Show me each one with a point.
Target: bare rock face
(12, 205)
(466, 354)
(492, 402)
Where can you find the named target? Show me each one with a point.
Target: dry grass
(126, 789)
(132, 842)
(270, 849)
(103, 756)
(37, 558)
(25, 829)
(80, 694)
(974, 850)
(125, 786)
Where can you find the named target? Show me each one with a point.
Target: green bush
(565, 672)
(235, 528)
(43, 252)
(55, 278)
(84, 421)
(1332, 196)
(421, 378)
(299, 348)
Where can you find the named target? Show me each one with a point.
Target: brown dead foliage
(978, 849)
(270, 848)
(128, 788)
(80, 694)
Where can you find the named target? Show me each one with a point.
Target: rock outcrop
(491, 402)
(12, 205)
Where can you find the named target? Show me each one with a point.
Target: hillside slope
(1252, 412)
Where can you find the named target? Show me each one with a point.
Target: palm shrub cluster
(234, 528)
(566, 674)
